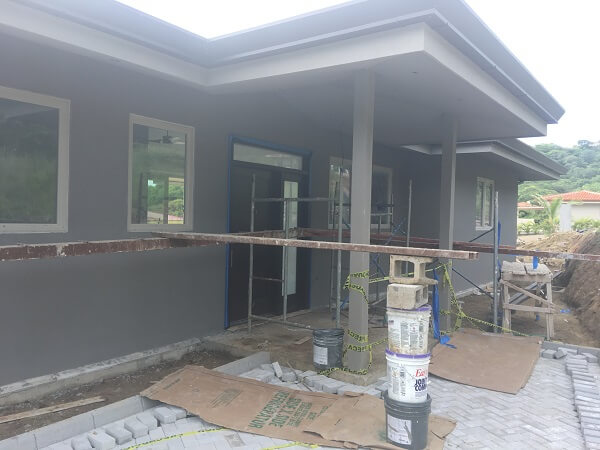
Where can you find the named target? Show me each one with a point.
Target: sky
(557, 40)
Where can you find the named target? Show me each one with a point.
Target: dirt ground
(567, 326)
(112, 389)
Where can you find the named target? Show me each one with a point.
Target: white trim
(491, 182)
(62, 189)
(188, 218)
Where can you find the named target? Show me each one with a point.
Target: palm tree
(551, 213)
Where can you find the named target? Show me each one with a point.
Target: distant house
(581, 204)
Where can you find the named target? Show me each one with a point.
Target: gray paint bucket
(407, 424)
(328, 348)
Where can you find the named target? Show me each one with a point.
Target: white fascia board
(47, 29)
(362, 50)
(450, 57)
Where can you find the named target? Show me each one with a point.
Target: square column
(360, 215)
(447, 187)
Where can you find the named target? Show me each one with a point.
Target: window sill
(141, 228)
(24, 228)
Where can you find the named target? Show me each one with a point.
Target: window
(161, 163)
(381, 193)
(484, 203)
(265, 156)
(34, 162)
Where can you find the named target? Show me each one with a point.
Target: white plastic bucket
(408, 330)
(408, 376)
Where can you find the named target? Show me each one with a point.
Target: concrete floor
(281, 341)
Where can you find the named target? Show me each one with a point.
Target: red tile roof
(578, 196)
(527, 205)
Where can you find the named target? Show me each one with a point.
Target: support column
(449, 133)
(360, 217)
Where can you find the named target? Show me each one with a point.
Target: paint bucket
(407, 424)
(328, 348)
(408, 330)
(408, 376)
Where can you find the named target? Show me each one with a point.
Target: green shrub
(585, 223)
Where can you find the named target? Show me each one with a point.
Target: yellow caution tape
(175, 436)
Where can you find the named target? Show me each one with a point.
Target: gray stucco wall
(59, 314)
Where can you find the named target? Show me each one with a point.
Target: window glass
(484, 203)
(265, 156)
(158, 175)
(381, 193)
(28, 163)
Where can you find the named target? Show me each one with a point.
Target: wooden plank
(319, 245)
(50, 409)
(527, 293)
(529, 308)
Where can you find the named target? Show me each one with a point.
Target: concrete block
(136, 428)
(590, 420)
(277, 369)
(586, 398)
(560, 353)
(180, 413)
(406, 296)
(116, 411)
(331, 388)
(100, 440)
(148, 419)
(259, 375)
(164, 414)
(590, 358)
(585, 390)
(81, 443)
(63, 430)
(170, 429)
(176, 444)
(120, 434)
(548, 353)
(288, 375)
(586, 393)
(417, 265)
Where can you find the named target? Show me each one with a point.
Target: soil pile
(582, 281)
(566, 241)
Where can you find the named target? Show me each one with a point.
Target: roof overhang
(311, 60)
(529, 164)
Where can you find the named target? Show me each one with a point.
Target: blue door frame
(232, 140)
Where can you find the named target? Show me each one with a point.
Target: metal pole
(251, 262)
(495, 281)
(285, 254)
(338, 291)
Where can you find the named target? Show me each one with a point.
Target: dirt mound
(582, 281)
(566, 241)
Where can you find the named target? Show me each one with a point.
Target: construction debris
(50, 409)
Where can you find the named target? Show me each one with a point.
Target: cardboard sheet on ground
(487, 360)
(361, 420)
(254, 407)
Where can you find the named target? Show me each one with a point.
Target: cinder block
(259, 375)
(170, 429)
(180, 413)
(164, 414)
(157, 433)
(570, 351)
(548, 353)
(120, 434)
(100, 440)
(136, 428)
(406, 296)
(148, 419)
(590, 358)
(63, 430)
(418, 266)
(268, 368)
(24, 441)
(288, 374)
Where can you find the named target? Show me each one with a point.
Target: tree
(551, 211)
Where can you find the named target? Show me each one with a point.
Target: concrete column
(447, 185)
(360, 217)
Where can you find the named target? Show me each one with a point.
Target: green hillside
(582, 162)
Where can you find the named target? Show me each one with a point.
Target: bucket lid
(419, 309)
(401, 355)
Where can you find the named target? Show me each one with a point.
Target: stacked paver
(586, 390)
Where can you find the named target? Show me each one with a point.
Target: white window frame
(188, 224)
(487, 182)
(62, 187)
